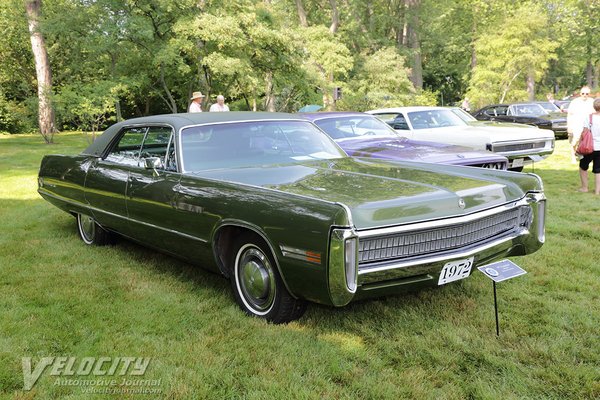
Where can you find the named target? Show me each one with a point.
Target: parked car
(364, 135)
(536, 114)
(521, 144)
(271, 202)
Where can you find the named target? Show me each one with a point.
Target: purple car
(363, 135)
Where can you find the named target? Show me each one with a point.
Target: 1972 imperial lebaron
(272, 203)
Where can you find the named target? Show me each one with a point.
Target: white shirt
(579, 111)
(219, 108)
(195, 107)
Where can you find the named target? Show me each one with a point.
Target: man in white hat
(220, 105)
(196, 104)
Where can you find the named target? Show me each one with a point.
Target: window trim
(117, 138)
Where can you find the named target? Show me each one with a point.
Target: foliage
(15, 117)
(256, 52)
(507, 57)
(87, 106)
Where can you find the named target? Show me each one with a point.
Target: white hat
(197, 95)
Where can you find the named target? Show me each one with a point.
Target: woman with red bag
(593, 124)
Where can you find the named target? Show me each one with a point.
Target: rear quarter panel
(61, 181)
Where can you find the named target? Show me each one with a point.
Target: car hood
(384, 193)
(502, 131)
(413, 150)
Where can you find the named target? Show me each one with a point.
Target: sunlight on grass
(62, 298)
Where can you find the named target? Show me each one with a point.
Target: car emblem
(461, 203)
(460, 155)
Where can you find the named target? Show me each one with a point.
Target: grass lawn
(59, 297)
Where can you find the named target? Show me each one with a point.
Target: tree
(43, 70)
(512, 57)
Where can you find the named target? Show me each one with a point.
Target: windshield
(340, 128)
(550, 107)
(437, 118)
(462, 114)
(527, 110)
(246, 144)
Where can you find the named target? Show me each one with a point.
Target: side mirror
(153, 163)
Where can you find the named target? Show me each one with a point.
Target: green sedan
(273, 204)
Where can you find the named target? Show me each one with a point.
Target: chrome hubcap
(87, 227)
(256, 279)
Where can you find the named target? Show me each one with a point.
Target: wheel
(257, 286)
(92, 233)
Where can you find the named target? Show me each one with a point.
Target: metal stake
(496, 310)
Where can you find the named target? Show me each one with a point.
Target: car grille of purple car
(501, 148)
(411, 244)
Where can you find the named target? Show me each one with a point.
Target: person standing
(196, 104)
(594, 157)
(466, 105)
(579, 110)
(220, 105)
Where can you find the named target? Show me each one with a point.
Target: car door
(152, 194)
(106, 180)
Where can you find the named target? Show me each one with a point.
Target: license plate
(517, 162)
(455, 270)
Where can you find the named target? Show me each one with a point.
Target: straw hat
(197, 95)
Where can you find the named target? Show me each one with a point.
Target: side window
(388, 118)
(502, 110)
(491, 112)
(156, 144)
(127, 150)
(400, 122)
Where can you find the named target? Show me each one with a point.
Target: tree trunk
(170, 100)
(113, 67)
(301, 13)
(531, 86)
(42, 69)
(269, 96)
(595, 83)
(416, 75)
(335, 17)
(589, 73)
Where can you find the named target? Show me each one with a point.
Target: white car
(521, 144)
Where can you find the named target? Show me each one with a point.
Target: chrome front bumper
(415, 270)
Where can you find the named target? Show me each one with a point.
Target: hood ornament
(461, 203)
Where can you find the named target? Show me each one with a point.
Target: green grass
(59, 297)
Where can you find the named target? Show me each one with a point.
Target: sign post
(498, 272)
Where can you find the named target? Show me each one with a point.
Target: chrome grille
(421, 242)
(519, 146)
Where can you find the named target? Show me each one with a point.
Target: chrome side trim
(348, 213)
(94, 209)
(301, 254)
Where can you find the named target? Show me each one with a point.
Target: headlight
(350, 264)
